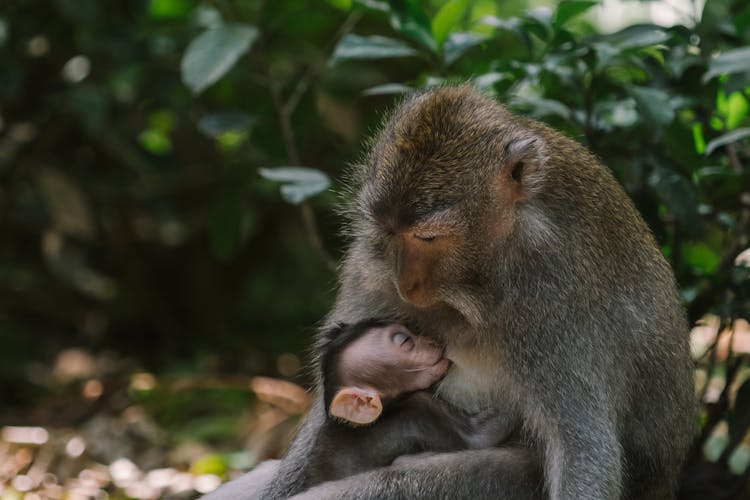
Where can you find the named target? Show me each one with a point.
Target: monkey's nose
(432, 342)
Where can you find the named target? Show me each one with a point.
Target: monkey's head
(446, 185)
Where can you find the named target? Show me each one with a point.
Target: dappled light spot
(92, 389)
(180, 482)
(142, 382)
(142, 490)
(76, 69)
(160, 478)
(288, 364)
(716, 442)
(75, 447)
(703, 335)
(24, 435)
(22, 482)
(206, 483)
(124, 472)
(96, 476)
(73, 364)
(38, 46)
(743, 259)
(289, 397)
(739, 459)
(715, 387)
(732, 340)
(49, 480)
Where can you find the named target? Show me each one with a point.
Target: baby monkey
(375, 380)
(374, 363)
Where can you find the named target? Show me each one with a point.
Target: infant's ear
(356, 406)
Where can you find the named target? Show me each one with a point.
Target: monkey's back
(622, 273)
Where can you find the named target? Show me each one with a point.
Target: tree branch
(308, 217)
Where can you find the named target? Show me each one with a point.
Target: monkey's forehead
(438, 148)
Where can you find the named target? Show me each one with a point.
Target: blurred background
(169, 177)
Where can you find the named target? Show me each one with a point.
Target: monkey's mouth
(441, 366)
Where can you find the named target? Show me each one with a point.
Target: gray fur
(562, 308)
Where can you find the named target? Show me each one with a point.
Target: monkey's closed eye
(403, 340)
(425, 237)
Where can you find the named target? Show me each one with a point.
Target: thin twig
(308, 217)
(734, 160)
(285, 110)
(312, 72)
(287, 133)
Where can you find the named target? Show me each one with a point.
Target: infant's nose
(432, 342)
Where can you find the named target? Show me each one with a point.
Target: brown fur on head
(423, 195)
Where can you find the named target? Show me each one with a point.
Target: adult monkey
(523, 254)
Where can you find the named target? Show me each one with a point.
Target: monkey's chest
(476, 379)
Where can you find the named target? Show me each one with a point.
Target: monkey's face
(441, 193)
(429, 263)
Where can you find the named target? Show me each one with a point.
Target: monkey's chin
(423, 302)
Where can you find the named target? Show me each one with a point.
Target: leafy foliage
(136, 215)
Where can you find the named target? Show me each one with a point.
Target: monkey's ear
(356, 405)
(523, 158)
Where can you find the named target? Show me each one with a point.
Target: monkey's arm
(249, 486)
(294, 470)
(509, 472)
(417, 423)
(583, 454)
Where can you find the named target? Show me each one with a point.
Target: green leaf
(677, 194)
(512, 24)
(168, 9)
(538, 21)
(700, 257)
(387, 89)
(155, 141)
(297, 183)
(488, 80)
(632, 37)
(731, 61)
(215, 124)
(163, 120)
(739, 460)
(447, 18)
(718, 440)
(231, 140)
(568, 9)
(207, 17)
(457, 44)
(341, 4)
(619, 113)
(698, 139)
(733, 136)
(408, 18)
(539, 107)
(734, 108)
(375, 5)
(211, 54)
(355, 47)
(209, 464)
(654, 105)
